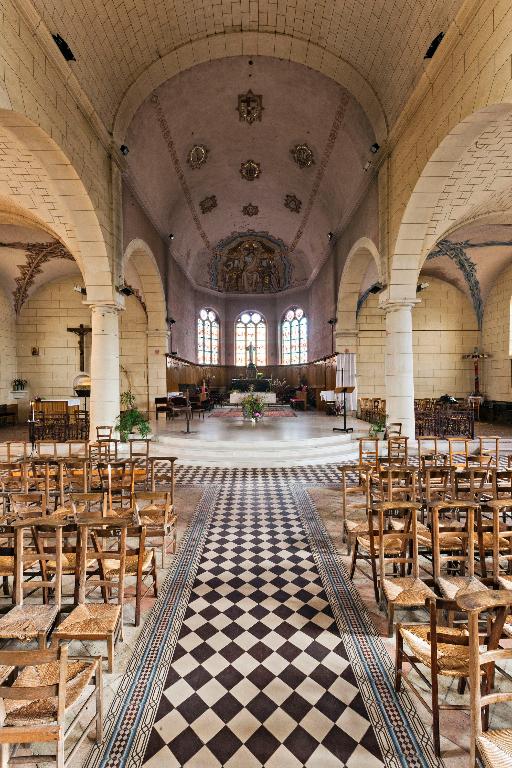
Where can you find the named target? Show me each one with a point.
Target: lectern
(345, 391)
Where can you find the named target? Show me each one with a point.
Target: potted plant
(18, 385)
(253, 406)
(378, 427)
(131, 418)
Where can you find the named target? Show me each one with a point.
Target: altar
(269, 398)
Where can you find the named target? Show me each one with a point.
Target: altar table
(269, 398)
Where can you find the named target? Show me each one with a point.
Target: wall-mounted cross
(81, 332)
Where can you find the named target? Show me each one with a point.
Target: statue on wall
(250, 265)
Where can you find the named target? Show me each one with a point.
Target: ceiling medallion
(197, 156)
(250, 210)
(293, 203)
(208, 204)
(250, 170)
(303, 155)
(250, 107)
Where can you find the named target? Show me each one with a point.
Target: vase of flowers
(253, 406)
(18, 385)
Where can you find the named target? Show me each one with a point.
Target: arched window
(208, 337)
(250, 328)
(294, 337)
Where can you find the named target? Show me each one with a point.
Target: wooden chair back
(436, 487)
(19, 659)
(397, 450)
(162, 473)
(472, 483)
(104, 432)
(13, 477)
(446, 523)
(100, 541)
(458, 451)
(32, 504)
(501, 511)
(406, 554)
(38, 540)
(89, 504)
(369, 451)
(429, 452)
(496, 605)
(502, 484)
(395, 483)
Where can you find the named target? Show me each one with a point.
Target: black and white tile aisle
(266, 669)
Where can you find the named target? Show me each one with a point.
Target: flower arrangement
(18, 384)
(253, 405)
(378, 426)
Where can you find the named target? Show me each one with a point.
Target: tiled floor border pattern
(402, 736)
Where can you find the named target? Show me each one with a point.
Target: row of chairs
(431, 538)
(97, 547)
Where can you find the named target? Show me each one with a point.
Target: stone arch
(140, 255)
(40, 184)
(360, 256)
(465, 171)
(252, 43)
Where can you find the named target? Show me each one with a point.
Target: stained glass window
(251, 328)
(294, 337)
(208, 337)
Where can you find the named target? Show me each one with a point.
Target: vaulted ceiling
(293, 207)
(115, 42)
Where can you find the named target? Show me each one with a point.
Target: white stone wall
(497, 370)
(444, 329)
(7, 348)
(43, 323)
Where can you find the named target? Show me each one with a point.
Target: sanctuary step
(276, 453)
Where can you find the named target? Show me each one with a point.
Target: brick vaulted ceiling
(116, 41)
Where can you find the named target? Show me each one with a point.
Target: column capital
(104, 306)
(394, 305)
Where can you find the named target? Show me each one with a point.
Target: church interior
(256, 383)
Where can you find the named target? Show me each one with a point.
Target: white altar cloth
(269, 398)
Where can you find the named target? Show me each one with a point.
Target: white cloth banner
(346, 377)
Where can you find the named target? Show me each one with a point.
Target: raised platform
(217, 442)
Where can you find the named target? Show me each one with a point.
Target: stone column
(158, 343)
(105, 404)
(399, 364)
(346, 341)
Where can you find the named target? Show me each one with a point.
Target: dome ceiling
(115, 43)
(279, 181)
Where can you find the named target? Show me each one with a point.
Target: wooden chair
(98, 621)
(435, 488)
(162, 474)
(118, 481)
(89, 504)
(501, 510)
(453, 549)
(104, 432)
(491, 745)
(139, 564)
(156, 512)
(369, 451)
(38, 690)
(397, 450)
(355, 501)
(32, 504)
(430, 453)
(398, 548)
(139, 455)
(443, 650)
(33, 621)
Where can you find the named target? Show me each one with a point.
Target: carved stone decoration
(293, 203)
(250, 210)
(303, 155)
(197, 156)
(250, 262)
(37, 255)
(250, 107)
(250, 170)
(208, 203)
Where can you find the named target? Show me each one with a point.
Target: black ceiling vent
(64, 48)
(434, 45)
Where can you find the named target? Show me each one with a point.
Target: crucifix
(81, 332)
(476, 356)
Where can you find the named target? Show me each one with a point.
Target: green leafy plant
(253, 405)
(18, 384)
(377, 426)
(131, 418)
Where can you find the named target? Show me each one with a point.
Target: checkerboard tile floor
(259, 676)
